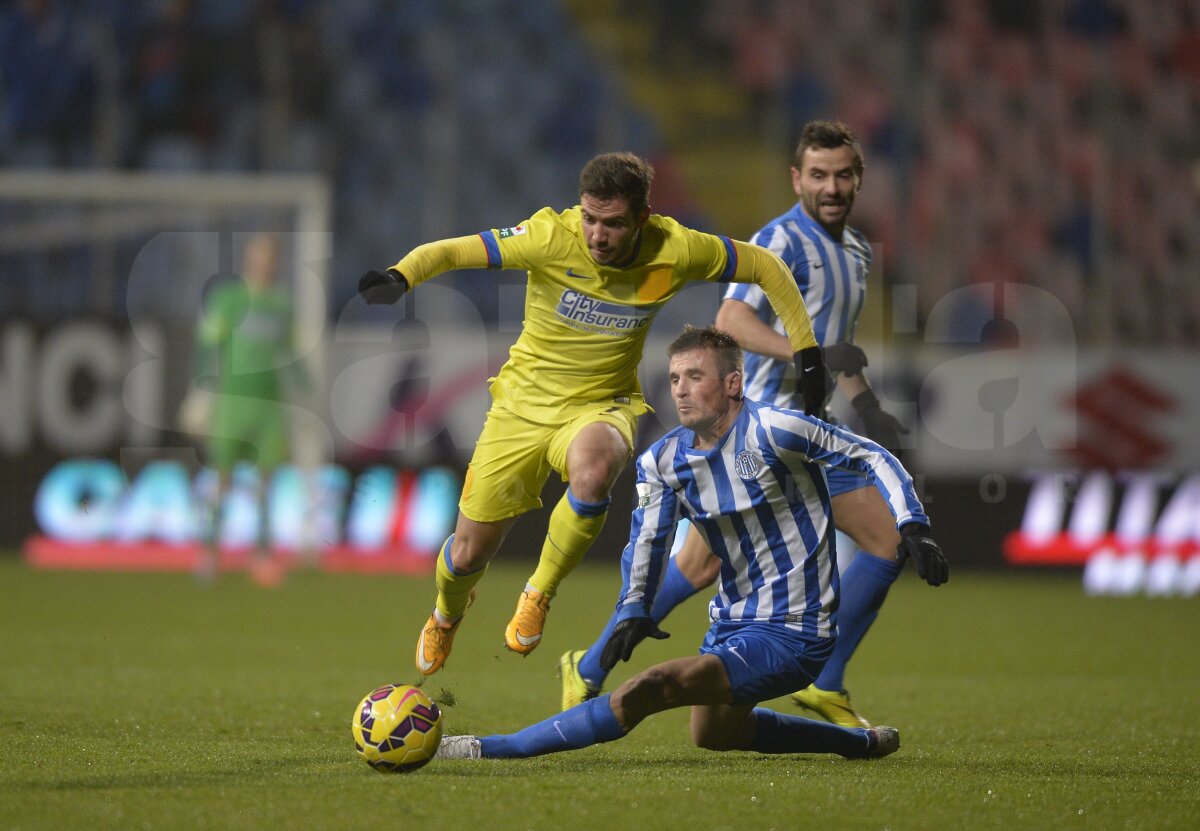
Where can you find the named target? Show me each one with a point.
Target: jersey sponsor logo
(505, 233)
(746, 464)
(583, 312)
(573, 273)
(643, 492)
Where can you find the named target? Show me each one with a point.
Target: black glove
(845, 358)
(625, 636)
(382, 286)
(917, 545)
(813, 381)
(879, 425)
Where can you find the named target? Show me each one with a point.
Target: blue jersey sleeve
(794, 432)
(651, 535)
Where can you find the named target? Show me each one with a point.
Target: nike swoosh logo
(558, 729)
(818, 265)
(422, 664)
(733, 650)
(571, 273)
(528, 641)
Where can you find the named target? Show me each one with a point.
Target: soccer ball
(396, 728)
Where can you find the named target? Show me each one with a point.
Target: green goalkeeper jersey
(244, 339)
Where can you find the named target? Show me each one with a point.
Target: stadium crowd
(1050, 143)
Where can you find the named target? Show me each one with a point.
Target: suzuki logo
(1116, 428)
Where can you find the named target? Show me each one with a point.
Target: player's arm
(758, 265)
(826, 443)
(211, 331)
(878, 424)
(651, 535)
(422, 263)
(742, 321)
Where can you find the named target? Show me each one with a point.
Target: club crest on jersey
(505, 233)
(746, 464)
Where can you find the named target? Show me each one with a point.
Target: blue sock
(777, 733)
(584, 725)
(589, 664)
(674, 590)
(865, 584)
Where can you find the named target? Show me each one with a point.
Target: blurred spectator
(48, 86)
(165, 83)
(1065, 122)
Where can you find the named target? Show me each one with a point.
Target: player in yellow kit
(568, 398)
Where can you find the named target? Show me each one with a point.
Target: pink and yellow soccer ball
(397, 728)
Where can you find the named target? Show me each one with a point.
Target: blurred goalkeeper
(568, 398)
(830, 262)
(751, 478)
(245, 355)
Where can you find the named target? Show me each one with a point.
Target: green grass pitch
(146, 701)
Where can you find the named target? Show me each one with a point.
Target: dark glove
(918, 546)
(382, 286)
(879, 425)
(625, 636)
(813, 382)
(845, 358)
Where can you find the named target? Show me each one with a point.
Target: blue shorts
(843, 481)
(765, 660)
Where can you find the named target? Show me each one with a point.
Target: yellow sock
(454, 589)
(574, 526)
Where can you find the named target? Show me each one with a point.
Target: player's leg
(224, 450)
(590, 451)
(689, 570)
(760, 662)
(676, 683)
(692, 569)
(769, 731)
(461, 563)
(270, 450)
(864, 516)
(503, 480)
(719, 721)
(212, 507)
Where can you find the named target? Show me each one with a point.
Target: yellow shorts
(514, 457)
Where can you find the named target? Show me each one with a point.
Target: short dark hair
(618, 175)
(829, 135)
(728, 352)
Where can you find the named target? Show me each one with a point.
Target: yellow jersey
(585, 323)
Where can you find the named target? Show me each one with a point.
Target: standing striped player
(829, 261)
(751, 478)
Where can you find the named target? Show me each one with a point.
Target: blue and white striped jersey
(832, 276)
(761, 501)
